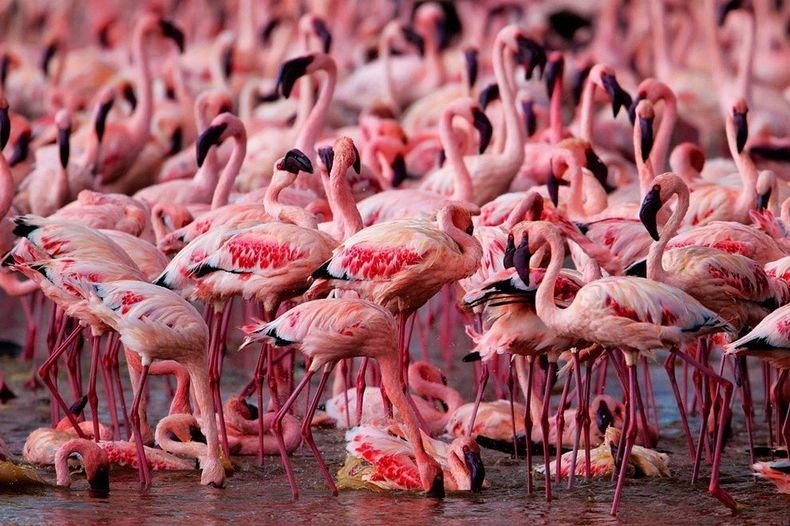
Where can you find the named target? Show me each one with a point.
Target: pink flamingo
(351, 327)
(632, 314)
(95, 461)
(243, 428)
(205, 187)
(158, 324)
(383, 458)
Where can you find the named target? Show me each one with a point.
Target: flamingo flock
(543, 199)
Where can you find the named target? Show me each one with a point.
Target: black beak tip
(484, 128)
(437, 488)
(648, 212)
(323, 33)
(477, 471)
(171, 31)
(553, 188)
(473, 356)
(357, 165)
(100, 483)
(290, 72)
(296, 161)
(327, 156)
(210, 137)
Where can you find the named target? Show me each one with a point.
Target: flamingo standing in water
(94, 460)
(330, 330)
(158, 324)
(633, 314)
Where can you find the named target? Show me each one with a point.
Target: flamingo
(633, 314)
(95, 461)
(327, 331)
(158, 324)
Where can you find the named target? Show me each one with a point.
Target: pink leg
(307, 431)
(768, 405)
(510, 388)
(483, 380)
(108, 388)
(651, 396)
(45, 373)
(559, 419)
(145, 474)
(360, 390)
(214, 376)
(587, 441)
(278, 431)
(544, 422)
(93, 398)
(116, 377)
(528, 424)
(746, 402)
(258, 381)
(581, 414)
(30, 335)
(669, 366)
(630, 438)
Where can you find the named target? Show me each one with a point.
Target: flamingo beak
(5, 126)
(651, 204)
(632, 109)
(169, 30)
(20, 151)
(553, 187)
(101, 118)
(100, 483)
(227, 62)
(741, 129)
(253, 409)
(472, 66)
(267, 30)
(488, 95)
(531, 55)
(477, 471)
(598, 169)
(129, 96)
(357, 166)
(483, 127)
(196, 435)
(521, 258)
(762, 200)
(554, 73)
(211, 136)
(176, 141)
(414, 38)
(246, 343)
(400, 173)
(530, 121)
(327, 156)
(295, 161)
(618, 96)
(510, 250)
(290, 72)
(603, 417)
(437, 487)
(473, 356)
(646, 131)
(322, 31)
(46, 57)
(63, 145)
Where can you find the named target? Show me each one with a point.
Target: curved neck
(345, 213)
(175, 447)
(655, 268)
(711, 32)
(555, 112)
(469, 245)
(314, 123)
(659, 33)
(231, 170)
(658, 155)
(285, 213)
(545, 307)
(435, 390)
(743, 81)
(7, 187)
(644, 169)
(746, 169)
(391, 380)
(504, 64)
(587, 111)
(462, 186)
(386, 72)
(140, 121)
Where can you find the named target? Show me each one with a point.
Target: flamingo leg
(258, 381)
(214, 374)
(544, 422)
(510, 388)
(630, 437)
(777, 393)
(669, 366)
(145, 474)
(587, 440)
(481, 386)
(581, 414)
(528, 424)
(109, 392)
(93, 399)
(307, 430)
(116, 373)
(30, 334)
(360, 385)
(559, 419)
(45, 373)
(768, 406)
(278, 431)
(746, 402)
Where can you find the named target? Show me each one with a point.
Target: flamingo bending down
(330, 330)
(158, 324)
(383, 458)
(94, 460)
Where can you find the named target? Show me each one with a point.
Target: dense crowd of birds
(347, 183)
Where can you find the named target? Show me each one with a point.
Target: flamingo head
(646, 115)
(171, 31)
(598, 168)
(530, 119)
(465, 464)
(432, 478)
(739, 111)
(472, 65)
(291, 71)
(5, 122)
(510, 251)
(617, 95)
(488, 95)
(294, 162)
(411, 36)
(648, 212)
(554, 72)
(103, 107)
(531, 55)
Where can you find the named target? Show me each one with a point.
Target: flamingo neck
(658, 155)
(308, 135)
(140, 121)
(434, 390)
(504, 66)
(743, 82)
(555, 112)
(345, 213)
(587, 110)
(231, 170)
(658, 31)
(747, 171)
(711, 33)
(463, 189)
(285, 213)
(655, 267)
(199, 379)
(386, 71)
(392, 381)
(7, 187)
(471, 250)
(547, 310)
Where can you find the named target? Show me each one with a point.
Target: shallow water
(263, 495)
